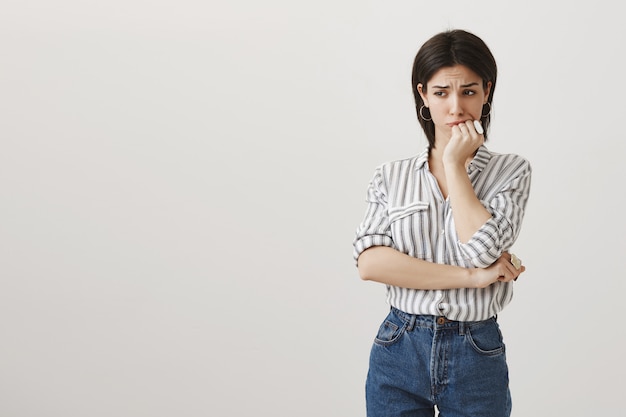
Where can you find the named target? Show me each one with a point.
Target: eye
(469, 92)
(439, 93)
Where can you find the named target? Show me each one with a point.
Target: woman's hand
(501, 270)
(465, 140)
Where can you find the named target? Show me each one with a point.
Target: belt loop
(411, 323)
(461, 328)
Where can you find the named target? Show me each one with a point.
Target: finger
(455, 131)
(515, 273)
(471, 133)
(512, 275)
(463, 127)
(522, 269)
(510, 272)
(479, 127)
(517, 262)
(472, 129)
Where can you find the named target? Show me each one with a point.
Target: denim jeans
(418, 362)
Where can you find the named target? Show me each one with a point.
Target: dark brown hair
(447, 49)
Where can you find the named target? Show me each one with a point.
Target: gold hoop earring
(422, 115)
(489, 112)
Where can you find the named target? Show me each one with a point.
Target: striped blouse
(407, 211)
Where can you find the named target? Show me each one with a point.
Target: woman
(437, 231)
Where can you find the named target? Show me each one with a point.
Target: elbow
(364, 273)
(366, 266)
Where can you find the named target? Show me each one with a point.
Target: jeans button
(441, 320)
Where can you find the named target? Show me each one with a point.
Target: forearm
(468, 212)
(389, 266)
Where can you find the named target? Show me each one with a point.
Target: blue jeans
(418, 362)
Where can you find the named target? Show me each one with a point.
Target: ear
(420, 89)
(487, 91)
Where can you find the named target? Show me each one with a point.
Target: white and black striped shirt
(407, 211)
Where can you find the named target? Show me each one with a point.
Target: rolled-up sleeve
(374, 229)
(507, 206)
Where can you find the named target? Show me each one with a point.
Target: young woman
(437, 231)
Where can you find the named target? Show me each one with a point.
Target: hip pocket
(390, 331)
(486, 338)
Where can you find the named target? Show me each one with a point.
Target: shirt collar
(479, 162)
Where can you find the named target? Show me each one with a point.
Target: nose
(455, 105)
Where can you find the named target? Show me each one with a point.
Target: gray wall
(180, 183)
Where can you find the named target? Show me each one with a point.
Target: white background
(180, 183)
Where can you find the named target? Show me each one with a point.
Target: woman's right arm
(389, 266)
(378, 260)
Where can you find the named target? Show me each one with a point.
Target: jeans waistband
(435, 322)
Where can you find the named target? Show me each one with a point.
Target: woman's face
(454, 95)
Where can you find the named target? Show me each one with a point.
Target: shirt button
(443, 232)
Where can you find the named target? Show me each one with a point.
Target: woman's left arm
(488, 224)
(489, 227)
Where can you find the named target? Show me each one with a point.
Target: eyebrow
(463, 86)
